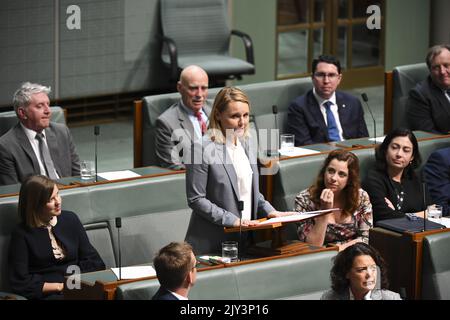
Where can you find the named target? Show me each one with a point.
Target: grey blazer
(18, 160)
(170, 120)
(212, 193)
(377, 294)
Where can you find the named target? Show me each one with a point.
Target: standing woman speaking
(223, 171)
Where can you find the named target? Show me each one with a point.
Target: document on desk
(377, 139)
(135, 272)
(298, 217)
(296, 151)
(115, 175)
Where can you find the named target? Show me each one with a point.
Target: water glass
(230, 250)
(435, 212)
(287, 142)
(87, 170)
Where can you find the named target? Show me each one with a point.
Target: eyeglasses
(322, 75)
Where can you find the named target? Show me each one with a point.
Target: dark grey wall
(114, 51)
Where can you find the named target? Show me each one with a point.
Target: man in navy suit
(176, 270)
(324, 114)
(437, 177)
(429, 101)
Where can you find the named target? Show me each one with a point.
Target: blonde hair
(221, 102)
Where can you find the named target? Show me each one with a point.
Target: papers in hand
(296, 151)
(115, 175)
(297, 217)
(377, 139)
(135, 272)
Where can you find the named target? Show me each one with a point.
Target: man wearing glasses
(324, 114)
(428, 104)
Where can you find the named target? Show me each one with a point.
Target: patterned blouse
(337, 233)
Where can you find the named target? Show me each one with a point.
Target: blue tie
(333, 132)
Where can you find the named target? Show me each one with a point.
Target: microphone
(274, 153)
(366, 100)
(240, 209)
(96, 133)
(118, 226)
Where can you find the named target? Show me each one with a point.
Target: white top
(333, 108)
(31, 135)
(368, 295)
(244, 175)
(194, 120)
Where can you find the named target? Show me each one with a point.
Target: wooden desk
(403, 254)
(76, 181)
(102, 285)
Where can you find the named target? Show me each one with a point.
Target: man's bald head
(193, 87)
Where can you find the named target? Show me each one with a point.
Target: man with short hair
(324, 114)
(176, 270)
(428, 104)
(185, 121)
(36, 145)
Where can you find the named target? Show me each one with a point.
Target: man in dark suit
(36, 145)
(324, 114)
(185, 121)
(437, 176)
(428, 104)
(176, 270)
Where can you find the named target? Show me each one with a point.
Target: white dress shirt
(244, 175)
(194, 120)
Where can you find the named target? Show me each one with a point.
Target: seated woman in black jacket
(47, 242)
(393, 186)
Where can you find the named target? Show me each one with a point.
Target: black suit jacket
(31, 261)
(18, 160)
(427, 108)
(163, 294)
(306, 121)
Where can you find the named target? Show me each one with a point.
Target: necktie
(45, 157)
(201, 121)
(333, 132)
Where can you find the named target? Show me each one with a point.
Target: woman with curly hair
(355, 273)
(337, 186)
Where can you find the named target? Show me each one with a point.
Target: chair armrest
(173, 54)
(247, 43)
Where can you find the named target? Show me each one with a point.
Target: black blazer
(428, 109)
(31, 261)
(163, 294)
(306, 121)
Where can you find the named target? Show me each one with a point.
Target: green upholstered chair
(436, 267)
(197, 32)
(405, 78)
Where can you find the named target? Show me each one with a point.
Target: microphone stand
(118, 226)
(366, 100)
(240, 209)
(425, 211)
(96, 133)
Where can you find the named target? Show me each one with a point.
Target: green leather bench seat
(299, 277)
(154, 212)
(404, 79)
(436, 267)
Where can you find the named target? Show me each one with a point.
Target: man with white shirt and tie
(184, 121)
(36, 145)
(324, 114)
